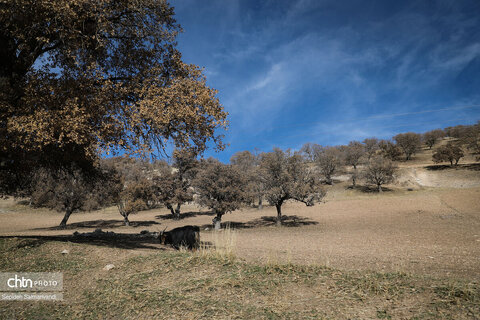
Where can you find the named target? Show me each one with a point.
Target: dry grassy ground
(359, 254)
(163, 284)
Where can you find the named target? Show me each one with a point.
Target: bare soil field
(433, 229)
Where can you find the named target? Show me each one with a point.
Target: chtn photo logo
(31, 281)
(33, 286)
(16, 282)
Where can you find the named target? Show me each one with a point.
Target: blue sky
(328, 72)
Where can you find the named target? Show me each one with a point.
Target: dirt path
(442, 176)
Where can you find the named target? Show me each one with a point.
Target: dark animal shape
(186, 236)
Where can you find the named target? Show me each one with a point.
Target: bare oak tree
(371, 146)
(248, 164)
(184, 170)
(390, 150)
(310, 150)
(353, 154)
(327, 160)
(173, 184)
(135, 197)
(449, 152)
(165, 186)
(431, 137)
(69, 189)
(219, 187)
(458, 131)
(409, 143)
(286, 177)
(136, 186)
(379, 171)
(471, 138)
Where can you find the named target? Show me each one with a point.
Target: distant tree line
(134, 185)
(376, 157)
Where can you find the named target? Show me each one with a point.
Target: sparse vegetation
(173, 185)
(220, 188)
(223, 245)
(287, 177)
(409, 143)
(248, 165)
(379, 171)
(431, 137)
(390, 150)
(327, 160)
(449, 152)
(69, 189)
(353, 154)
(371, 146)
(164, 283)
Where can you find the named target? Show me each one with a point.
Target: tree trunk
(63, 224)
(176, 216)
(217, 221)
(329, 181)
(354, 176)
(260, 202)
(121, 209)
(279, 214)
(125, 220)
(379, 188)
(171, 210)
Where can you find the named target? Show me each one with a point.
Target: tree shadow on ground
(266, 221)
(440, 167)
(126, 241)
(122, 241)
(334, 182)
(185, 215)
(101, 224)
(371, 189)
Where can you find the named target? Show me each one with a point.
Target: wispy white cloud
(449, 58)
(274, 59)
(274, 74)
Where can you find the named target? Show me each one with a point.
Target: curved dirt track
(464, 176)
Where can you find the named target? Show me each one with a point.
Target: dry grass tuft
(223, 245)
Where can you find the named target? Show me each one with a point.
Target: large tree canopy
(99, 75)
